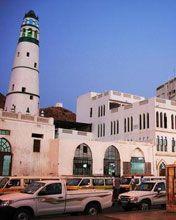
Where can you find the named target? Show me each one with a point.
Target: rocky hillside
(59, 113)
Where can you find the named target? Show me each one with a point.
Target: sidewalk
(148, 215)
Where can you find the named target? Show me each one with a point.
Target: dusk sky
(94, 45)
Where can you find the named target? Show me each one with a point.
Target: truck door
(160, 196)
(51, 199)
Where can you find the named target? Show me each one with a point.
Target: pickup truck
(146, 194)
(51, 197)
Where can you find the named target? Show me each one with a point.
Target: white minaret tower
(23, 92)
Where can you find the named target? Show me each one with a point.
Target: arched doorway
(162, 169)
(137, 162)
(5, 157)
(112, 161)
(82, 162)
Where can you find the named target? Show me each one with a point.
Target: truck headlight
(134, 199)
(6, 202)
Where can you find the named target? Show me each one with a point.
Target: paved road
(116, 213)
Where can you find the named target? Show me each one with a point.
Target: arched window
(148, 121)
(111, 127)
(98, 131)
(24, 32)
(165, 120)
(143, 121)
(117, 126)
(157, 119)
(128, 123)
(4, 145)
(82, 162)
(172, 122)
(103, 129)
(140, 122)
(131, 123)
(5, 157)
(125, 125)
(162, 169)
(111, 161)
(114, 127)
(29, 34)
(35, 34)
(161, 119)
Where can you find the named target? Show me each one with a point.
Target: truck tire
(92, 209)
(22, 214)
(145, 205)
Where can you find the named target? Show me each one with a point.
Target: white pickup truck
(146, 194)
(51, 197)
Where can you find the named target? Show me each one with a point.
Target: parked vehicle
(146, 194)
(51, 197)
(10, 184)
(74, 183)
(125, 181)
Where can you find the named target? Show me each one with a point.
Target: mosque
(114, 131)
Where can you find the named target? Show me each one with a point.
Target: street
(117, 213)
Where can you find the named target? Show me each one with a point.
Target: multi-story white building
(125, 117)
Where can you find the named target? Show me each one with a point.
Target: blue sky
(94, 45)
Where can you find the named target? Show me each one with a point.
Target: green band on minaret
(28, 39)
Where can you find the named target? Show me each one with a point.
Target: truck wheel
(22, 214)
(92, 209)
(145, 205)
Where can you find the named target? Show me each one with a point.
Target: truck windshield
(145, 187)
(3, 182)
(33, 187)
(73, 182)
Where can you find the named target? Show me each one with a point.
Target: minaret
(23, 92)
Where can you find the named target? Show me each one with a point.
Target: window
(98, 131)
(35, 34)
(85, 182)
(103, 109)
(157, 119)
(165, 120)
(161, 120)
(111, 127)
(18, 54)
(35, 65)
(24, 32)
(148, 122)
(114, 127)
(90, 112)
(27, 110)
(37, 135)
(143, 121)
(51, 189)
(23, 89)
(85, 149)
(140, 122)
(117, 126)
(128, 122)
(13, 86)
(29, 34)
(165, 144)
(131, 123)
(4, 132)
(36, 145)
(27, 54)
(103, 129)
(173, 145)
(157, 143)
(172, 122)
(125, 125)
(160, 185)
(161, 144)
(99, 111)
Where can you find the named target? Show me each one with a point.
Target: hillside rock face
(2, 100)
(59, 113)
